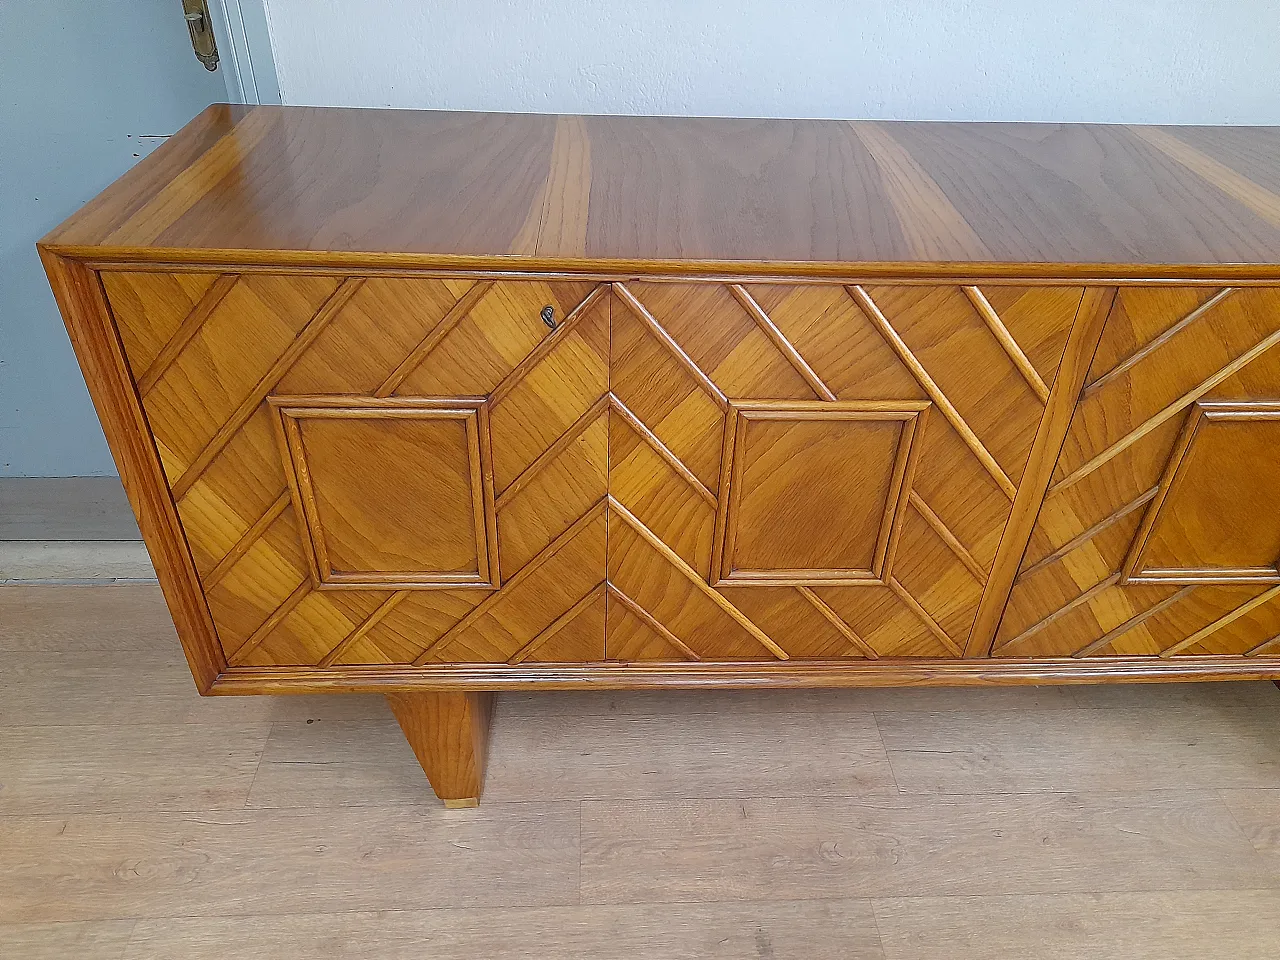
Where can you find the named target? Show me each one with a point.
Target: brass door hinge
(201, 28)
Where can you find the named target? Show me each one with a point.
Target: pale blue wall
(86, 87)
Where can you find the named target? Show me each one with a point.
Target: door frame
(243, 32)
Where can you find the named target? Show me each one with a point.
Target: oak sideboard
(438, 404)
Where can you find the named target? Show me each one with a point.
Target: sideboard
(438, 404)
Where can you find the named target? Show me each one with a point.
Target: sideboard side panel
(85, 311)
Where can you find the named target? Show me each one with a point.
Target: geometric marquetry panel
(431, 471)
(807, 471)
(382, 470)
(1158, 534)
(394, 493)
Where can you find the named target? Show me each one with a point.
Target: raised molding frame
(473, 412)
(912, 415)
(1201, 412)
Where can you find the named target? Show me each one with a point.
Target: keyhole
(549, 316)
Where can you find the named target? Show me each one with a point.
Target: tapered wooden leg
(449, 733)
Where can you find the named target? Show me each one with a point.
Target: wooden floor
(138, 820)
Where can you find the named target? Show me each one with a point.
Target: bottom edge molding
(813, 673)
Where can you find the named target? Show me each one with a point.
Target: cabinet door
(376, 470)
(816, 471)
(1160, 534)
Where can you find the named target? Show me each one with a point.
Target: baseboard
(75, 561)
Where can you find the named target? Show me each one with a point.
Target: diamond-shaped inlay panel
(816, 491)
(1204, 524)
(391, 492)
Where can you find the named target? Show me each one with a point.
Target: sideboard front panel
(1160, 533)
(375, 470)
(816, 471)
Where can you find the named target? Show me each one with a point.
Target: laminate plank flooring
(814, 930)
(138, 820)
(1136, 926)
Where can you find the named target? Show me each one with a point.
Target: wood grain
(764, 849)
(101, 940)
(381, 858)
(172, 767)
(740, 675)
(1168, 453)
(988, 752)
(665, 333)
(1151, 925)
(449, 734)
(1086, 329)
(101, 355)
(789, 931)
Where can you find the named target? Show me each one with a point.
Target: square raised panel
(815, 492)
(1214, 517)
(393, 493)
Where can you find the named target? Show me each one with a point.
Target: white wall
(1158, 61)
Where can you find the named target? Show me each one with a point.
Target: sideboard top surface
(320, 184)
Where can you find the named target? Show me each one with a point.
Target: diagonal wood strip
(899, 346)
(558, 624)
(466, 303)
(644, 316)
(1260, 648)
(693, 577)
(266, 383)
(925, 617)
(300, 593)
(378, 614)
(247, 540)
(1062, 611)
(1227, 618)
(545, 346)
(901, 484)
(780, 341)
(1172, 410)
(1144, 351)
(1085, 536)
(654, 624)
(950, 539)
(557, 447)
(661, 449)
(1132, 622)
(1091, 313)
(1011, 347)
(190, 325)
(530, 567)
(839, 623)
